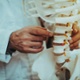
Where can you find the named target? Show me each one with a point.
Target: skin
(29, 39)
(74, 42)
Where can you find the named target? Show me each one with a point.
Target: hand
(74, 42)
(29, 39)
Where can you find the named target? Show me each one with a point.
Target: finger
(75, 28)
(73, 45)
(31, 44)
(75, 38)
(41, 32)
(36, 44)
(34, 50)
(77, 47)
(37, 38)
(32, 37)
(31, 50)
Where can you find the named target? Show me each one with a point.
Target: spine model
(64, 15)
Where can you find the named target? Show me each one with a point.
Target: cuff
(4, 39)
(9, 50)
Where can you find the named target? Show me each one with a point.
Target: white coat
(12, 18)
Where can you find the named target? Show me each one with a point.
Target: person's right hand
(29, 39)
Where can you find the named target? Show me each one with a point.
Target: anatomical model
(63, 15)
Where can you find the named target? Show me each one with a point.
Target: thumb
(75, 28)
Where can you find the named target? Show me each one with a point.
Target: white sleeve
(7, 26)
(4, 38)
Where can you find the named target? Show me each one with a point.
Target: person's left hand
(74, 42)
